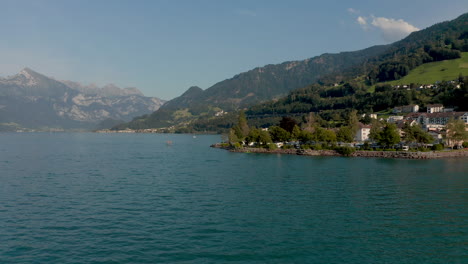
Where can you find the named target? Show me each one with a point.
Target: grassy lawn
(179, 114)
(429, 73)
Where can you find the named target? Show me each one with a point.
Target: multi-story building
(437, 120)
(363, 133)
(435, 108)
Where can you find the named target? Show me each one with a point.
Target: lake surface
(131, 198)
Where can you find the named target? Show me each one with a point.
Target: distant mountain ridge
(32, 100)
(251, 87)
(273, 80)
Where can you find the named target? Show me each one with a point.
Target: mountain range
(34, 101)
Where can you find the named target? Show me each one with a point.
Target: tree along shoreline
(357, 153)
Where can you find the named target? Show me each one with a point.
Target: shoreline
(357, 153)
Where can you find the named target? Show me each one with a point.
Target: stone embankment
(365, 154)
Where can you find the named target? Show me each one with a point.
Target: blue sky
(164, 47)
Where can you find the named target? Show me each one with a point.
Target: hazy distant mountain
(107, 90)
(33, 100)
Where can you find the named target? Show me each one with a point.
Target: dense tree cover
(376, 128)
(258, 136)
(279, 134)
(416, 134)
(387, 136)
(345, 134)
(288, 124)
(456, 130)
(334, 104)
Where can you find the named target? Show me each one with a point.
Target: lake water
(131, 198)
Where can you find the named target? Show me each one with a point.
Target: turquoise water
(131, 198)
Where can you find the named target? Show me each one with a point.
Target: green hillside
(432, 72)
(330, 82)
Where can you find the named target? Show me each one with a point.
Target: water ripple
(86, 198)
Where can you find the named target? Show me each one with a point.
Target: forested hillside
(333, 82)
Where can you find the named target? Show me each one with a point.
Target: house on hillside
(374, 116)
(414, 108)
(435, 108)
(362, 133)
(394, 119)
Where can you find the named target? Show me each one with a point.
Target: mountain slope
(249, 88)
(379, 63)
(34, 101)
(272, 81)
(432, 72)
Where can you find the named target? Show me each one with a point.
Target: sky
(164, 47)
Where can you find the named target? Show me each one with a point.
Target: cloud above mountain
(363, 22)
(390, 28)
(393, 29)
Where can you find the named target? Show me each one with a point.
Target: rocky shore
(358, 153)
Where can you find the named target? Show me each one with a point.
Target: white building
(437, 120)
(435, 108)
(363, 133)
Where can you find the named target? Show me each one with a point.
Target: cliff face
(33, 100)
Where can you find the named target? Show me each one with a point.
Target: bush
(465, 144)
(237, 145)
(271, 146)
(366, 146)
(306, 146)
(423, 149)
(287, 147)
(346, 151)
(317, 147)
(438, 147)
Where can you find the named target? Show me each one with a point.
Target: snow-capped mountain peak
(26, 77)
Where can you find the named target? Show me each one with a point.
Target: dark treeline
(330, 100)
(333, 104)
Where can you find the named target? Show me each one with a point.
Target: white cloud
(392, 29)
(352, 11)
(361, 21)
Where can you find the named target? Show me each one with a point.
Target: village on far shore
(403, 128)
(434, 121)
(406, 128)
